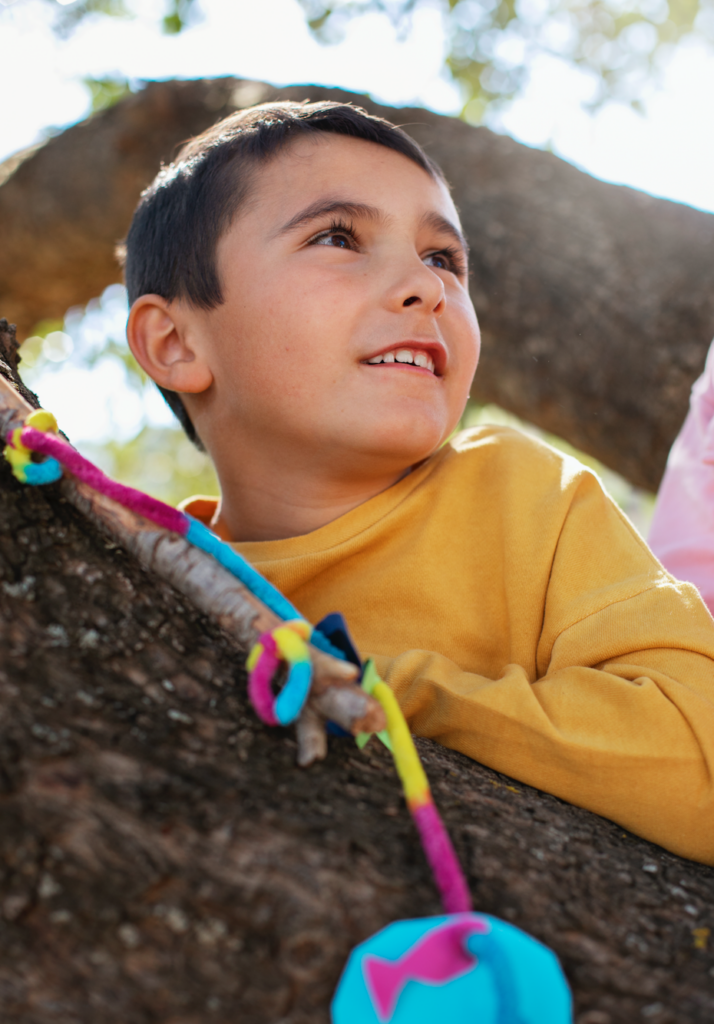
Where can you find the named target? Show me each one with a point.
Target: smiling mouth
(406, 357)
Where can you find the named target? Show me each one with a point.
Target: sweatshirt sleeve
(682, 531)
(618, 714)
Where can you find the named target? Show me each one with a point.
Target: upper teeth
(405, 355)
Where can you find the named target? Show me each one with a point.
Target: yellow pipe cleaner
(406, 758)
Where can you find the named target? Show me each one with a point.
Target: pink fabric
(442, 859)
(682, 531)
(142, 504)
(436, 959)
(260, 680)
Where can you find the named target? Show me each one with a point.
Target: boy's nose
(421, 288)
(437, 307)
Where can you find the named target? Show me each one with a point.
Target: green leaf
(105, 92)
(178, 17)
(172, 24)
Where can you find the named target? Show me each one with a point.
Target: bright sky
(668, 152)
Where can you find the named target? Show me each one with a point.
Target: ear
(163, 345)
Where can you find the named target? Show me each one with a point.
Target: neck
(286, 501)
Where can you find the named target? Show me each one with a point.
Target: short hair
(170, 249)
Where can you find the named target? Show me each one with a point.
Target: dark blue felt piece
(334, 628)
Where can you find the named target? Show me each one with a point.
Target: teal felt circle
(514, 979)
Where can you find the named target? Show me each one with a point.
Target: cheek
(307, 331)
(468, 344)
(278, 349)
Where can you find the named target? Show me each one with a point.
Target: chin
(407, 444)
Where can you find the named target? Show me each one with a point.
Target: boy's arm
(619, 715)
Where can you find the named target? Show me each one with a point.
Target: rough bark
(213, 590)
(596, 301)
(162, 859)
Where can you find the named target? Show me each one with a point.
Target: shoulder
(544, 499)
(506, 451)
(509, 473)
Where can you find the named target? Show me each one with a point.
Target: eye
(438, 260)
(337, 236)
(449, 259)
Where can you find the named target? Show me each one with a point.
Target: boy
(299, 289)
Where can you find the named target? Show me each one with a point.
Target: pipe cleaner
(287, 643)
(20, 456)
(462, 966)
(454, 966)
(38, 436)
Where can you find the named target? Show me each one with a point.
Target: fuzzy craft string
(287, 643)
(435, 839)
(38, 456)
(38, 436)
(209, 573)
(284, 644)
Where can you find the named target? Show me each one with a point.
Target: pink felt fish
(436, 959)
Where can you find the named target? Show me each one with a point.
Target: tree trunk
(596, 301)
(162, 859)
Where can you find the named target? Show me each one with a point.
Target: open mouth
(405, 356)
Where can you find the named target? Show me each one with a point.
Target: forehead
(316, 167)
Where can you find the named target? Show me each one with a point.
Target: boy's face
(347, 334)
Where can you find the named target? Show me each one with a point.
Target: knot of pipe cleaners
(286, 644)
(20, 456)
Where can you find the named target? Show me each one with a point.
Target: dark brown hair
(170, 249)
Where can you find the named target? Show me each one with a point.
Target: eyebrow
(325, 207)
(440, 223)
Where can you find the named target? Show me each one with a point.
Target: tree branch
(596, 301)
(214, 591)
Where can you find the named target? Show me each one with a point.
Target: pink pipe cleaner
(260, 680)
(142, 504)
(435, 840)
(442, 859)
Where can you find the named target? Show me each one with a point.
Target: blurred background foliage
(158, 460)
(149, 450)
(105, 92)
(177, 15)
(491, 44)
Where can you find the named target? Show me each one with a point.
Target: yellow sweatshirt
(521, 619)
